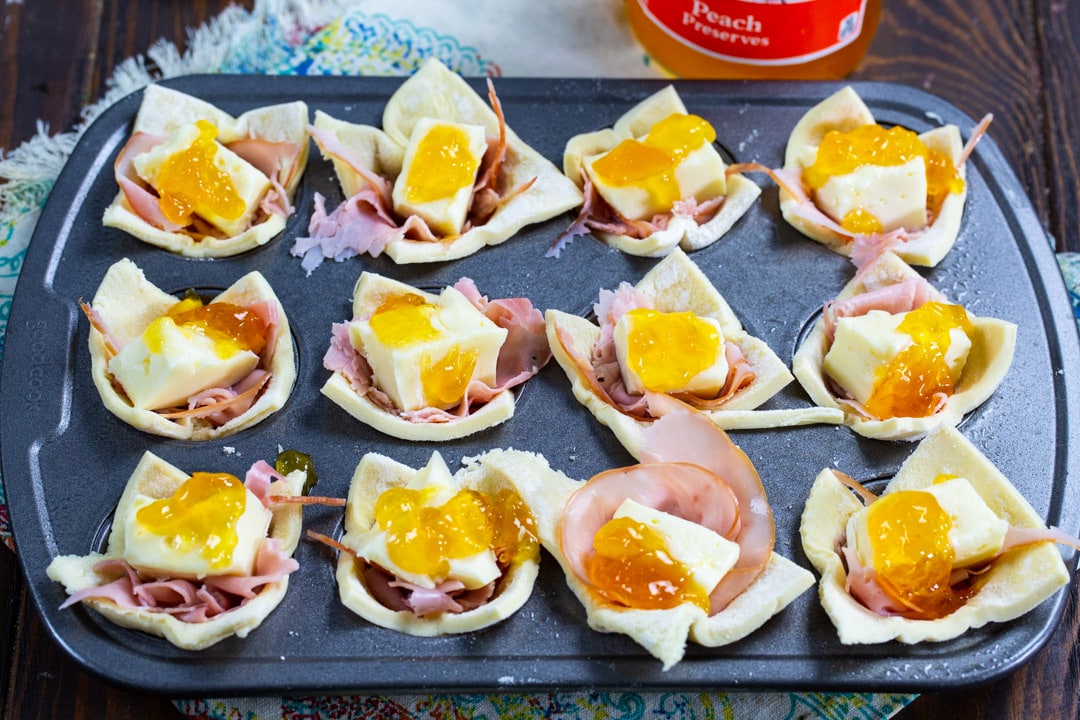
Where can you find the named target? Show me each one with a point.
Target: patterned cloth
(381, 37)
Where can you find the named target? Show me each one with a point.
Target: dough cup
(1016, 582)
(156, 478)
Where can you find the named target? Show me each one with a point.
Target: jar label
(760, 32)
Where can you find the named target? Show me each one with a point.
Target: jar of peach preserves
(795, 40)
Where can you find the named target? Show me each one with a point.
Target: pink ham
(901, 297)
(142, 200)
(449, 596)
(685, 437)
(188, 600)
(259, 478)
(525, 350)
(690, 469)
(275, 160)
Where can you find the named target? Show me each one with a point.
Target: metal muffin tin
(66, 459)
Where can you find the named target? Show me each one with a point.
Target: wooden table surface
(1016, 58)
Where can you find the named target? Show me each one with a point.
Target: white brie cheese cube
(249, 183)
(705, 383)
(164, 556)
(436, 183)
(861, 346)
(168, 363)
(706, 554)
(977, 533)
(866, 343)
(894, 194)
(475, 571)
(700, 174)
(399, 370)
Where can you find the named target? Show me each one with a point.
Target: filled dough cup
(172, 570)
(701, 359)
(424, 366)
(199, 182)
(185, 369)
(697, 502)
(441, 179)
(426, 552)
(897, 358)
(859, 188)
(974, 552)
(654, 181)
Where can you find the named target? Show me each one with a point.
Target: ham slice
(690, 469)
(685, 437)
(901, 297)
(449, 596)
(187, 600)
(142, 200)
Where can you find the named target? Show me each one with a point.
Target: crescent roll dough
(531, 187)
(156, 478)
(987, 363)
(126, 303)
(682, 228)
(844, 111)
(375, 475)
(1015, 583)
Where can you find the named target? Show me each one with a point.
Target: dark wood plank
(981, 57)
(1058, 32)
(44, 65)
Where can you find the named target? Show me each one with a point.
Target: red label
(760, 32)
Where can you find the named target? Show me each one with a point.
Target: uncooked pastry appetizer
(420, 366)
(858, 187)
(898, 358)
(198, 182)
(679, 547)
(950, 545)
(654, 181)
(670, 343)
(193, 559)
(430, 553)
(184, 368)
(443, 177)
